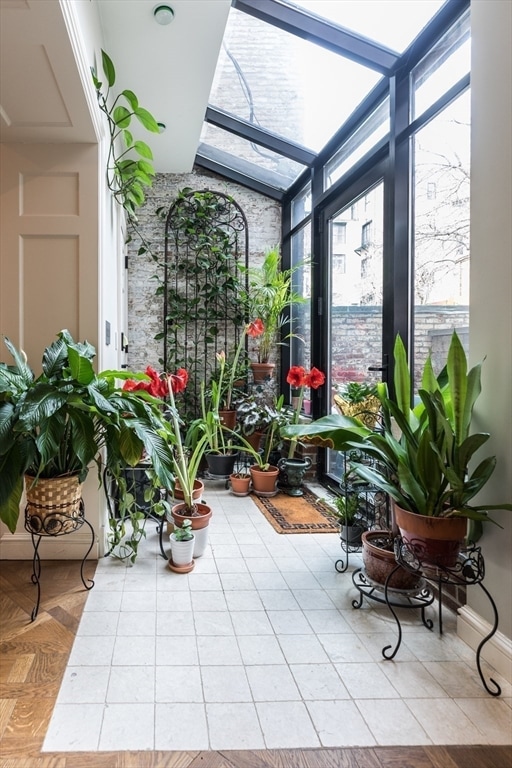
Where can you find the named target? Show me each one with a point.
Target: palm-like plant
(70, 418)
(270, 293)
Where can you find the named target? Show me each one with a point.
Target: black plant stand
(468, 570)
(54, 524)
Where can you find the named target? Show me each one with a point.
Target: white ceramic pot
(182, 552)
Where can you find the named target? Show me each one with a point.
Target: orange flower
(315, 378)
(255, 328)
(296, 376)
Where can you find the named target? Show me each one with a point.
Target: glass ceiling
(277, 97)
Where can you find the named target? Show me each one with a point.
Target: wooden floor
(33, 658)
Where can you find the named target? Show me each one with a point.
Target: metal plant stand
(468, 570)
(55, 524)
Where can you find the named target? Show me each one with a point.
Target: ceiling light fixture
(163, 14)
(161, 127)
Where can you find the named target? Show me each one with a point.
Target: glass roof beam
(322, 32)
(222, 163)
(264, 138)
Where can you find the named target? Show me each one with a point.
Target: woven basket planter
(54, 505)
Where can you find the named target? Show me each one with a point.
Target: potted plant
(182, 548)
(240, 482)
(358, 399)
(269, 294)
(346, 509)
(422, 458)
(264, 474)
(54, 427)
(292, 468)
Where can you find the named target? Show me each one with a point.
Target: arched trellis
(206, 244)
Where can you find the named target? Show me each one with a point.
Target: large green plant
(69, 418)
(423, 454)
(270, 293)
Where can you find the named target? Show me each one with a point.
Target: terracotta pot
(264, 481)
(262, 372)
(254, 440)
(240, 486)
(228, 418)
(379, 562)
(435, 541)
(196, 494)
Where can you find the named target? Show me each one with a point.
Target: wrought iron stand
(55, 524)
(468, 570)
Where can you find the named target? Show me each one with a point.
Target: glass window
(393, 23)
(301, 205)
(369, 133)
(441, 231)
(300, 344)
(285, 84)
(445, 65)
(248, 157)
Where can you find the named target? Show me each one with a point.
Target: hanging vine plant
(130, 170)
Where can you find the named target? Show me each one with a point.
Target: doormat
(297, 514)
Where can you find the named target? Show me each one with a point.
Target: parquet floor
(33, 658)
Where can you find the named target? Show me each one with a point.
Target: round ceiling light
(163, 14)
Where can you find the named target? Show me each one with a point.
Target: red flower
(315, 378)
(296, 376)
(178, 380)
(255, 328)
(132, 386)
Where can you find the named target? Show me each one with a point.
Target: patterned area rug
(297, 514)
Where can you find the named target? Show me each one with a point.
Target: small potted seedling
(346, 510)
(182, 547)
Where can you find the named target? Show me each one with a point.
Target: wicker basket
(54, 505)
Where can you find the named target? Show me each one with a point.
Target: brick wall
(145, 310)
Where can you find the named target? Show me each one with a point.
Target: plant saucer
(180, 568)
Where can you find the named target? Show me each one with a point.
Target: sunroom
(347, 137)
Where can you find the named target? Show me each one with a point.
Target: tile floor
(260, 647)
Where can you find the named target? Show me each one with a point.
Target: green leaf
(143, 149)
(456, 366)
(146, 167)
(80, 367)
(131, 99)
(147, 120)
(108, 69)
(121, 117)
(402, 378)
(127, 138)
(10, 510)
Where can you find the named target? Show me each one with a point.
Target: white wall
(491, 282)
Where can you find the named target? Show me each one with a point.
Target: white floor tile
(339, 723)
(132, 725)
(260, 647)
(392, 722)
(131, 684)
(286, 724)
(225, 684)
(84, 685)
(234, 726)
(276, 684)
(180, 727)
(74, 728)
(319, 682)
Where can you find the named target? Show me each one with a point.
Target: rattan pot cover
(53, 504)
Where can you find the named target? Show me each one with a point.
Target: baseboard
(73, 546)
(497, 651)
